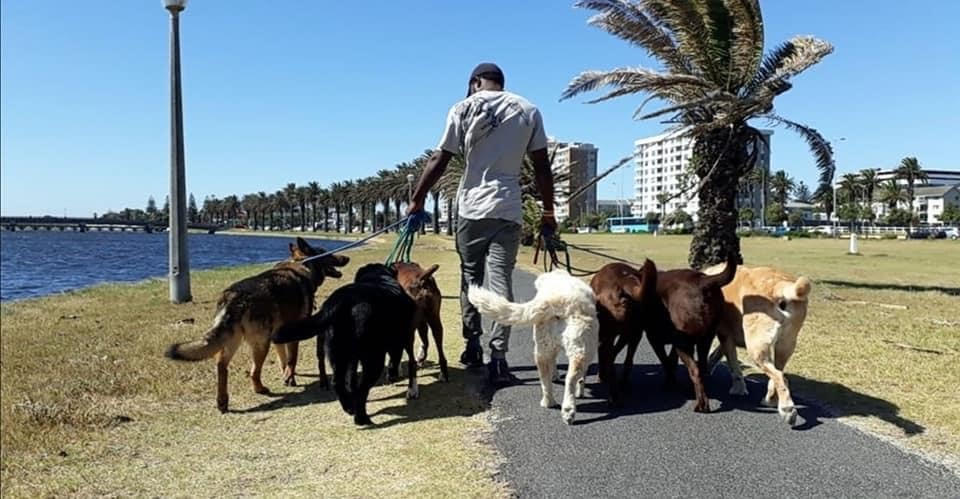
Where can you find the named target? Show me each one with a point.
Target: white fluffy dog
(564, 316)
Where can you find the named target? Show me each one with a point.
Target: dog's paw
(291, 381)
(702, 407)
(546, 403)
(413, 392)
(568, 414)
(579, 391)
(222, 406)
(738, 388)
(769, 402)
(362, 420)
(788, 414)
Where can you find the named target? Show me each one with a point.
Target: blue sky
(279, 92)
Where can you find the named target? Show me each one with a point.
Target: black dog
(361, 323)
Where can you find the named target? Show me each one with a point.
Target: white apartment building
(662, 159)
(580, 160)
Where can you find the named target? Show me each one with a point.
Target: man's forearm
(432, 171)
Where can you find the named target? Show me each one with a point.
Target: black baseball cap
(484, 68)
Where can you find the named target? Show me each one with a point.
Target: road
(657, 446)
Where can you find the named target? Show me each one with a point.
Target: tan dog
(252, 309)
(422, 287)
(764, 312)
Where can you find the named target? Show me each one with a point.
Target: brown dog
(252, 309)
(422, 287)
(623, 293)
(687, 316)
(764, 311)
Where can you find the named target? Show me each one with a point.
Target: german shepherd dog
(252, 309)
(422, 287)
(360, 324)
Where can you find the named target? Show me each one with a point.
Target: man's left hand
(548, 222)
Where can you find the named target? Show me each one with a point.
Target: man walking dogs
(492, 129)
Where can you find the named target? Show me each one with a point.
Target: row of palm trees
(863, 188)
(353, 204)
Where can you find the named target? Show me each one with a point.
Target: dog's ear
(305, 247)
(426, 275)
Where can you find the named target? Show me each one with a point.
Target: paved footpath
(657, 446)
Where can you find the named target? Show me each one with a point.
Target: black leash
(551, 246)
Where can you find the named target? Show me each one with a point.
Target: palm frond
(819, 146)
(690, 32)
(746, 49)
(629, 22)
(713, 97)
(669, 86)
(788, 60)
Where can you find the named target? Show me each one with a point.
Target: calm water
(42, 263)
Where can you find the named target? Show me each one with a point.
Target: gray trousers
(490, 246)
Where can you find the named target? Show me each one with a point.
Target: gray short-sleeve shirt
(493, 130)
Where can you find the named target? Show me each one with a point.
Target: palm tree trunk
(326, 217)
(337, 208)
(715, 233)
(396, 203)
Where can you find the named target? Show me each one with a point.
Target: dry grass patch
(90, 406)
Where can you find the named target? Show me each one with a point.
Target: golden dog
(764, 311)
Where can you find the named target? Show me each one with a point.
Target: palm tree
(249, 204)
(303, 199)
(850, 187)
(336, 198)
(292, 200)
(911, 171)
(802, 193)
(781, 185)
(349, 193)
(892, 193)
(313, 196)
(281, 203)
(868, 184)
(449, 183)
(263, 206)
(231, 207)
(715, 80)
(324, 200)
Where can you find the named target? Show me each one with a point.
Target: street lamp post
(179, 259)
(835, 210)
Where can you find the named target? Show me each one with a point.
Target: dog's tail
(723, 278)
(206, 347)
(800, 290)
(649, 273)
(503, 311)
(303, 329)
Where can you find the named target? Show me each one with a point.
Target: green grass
(88, 406)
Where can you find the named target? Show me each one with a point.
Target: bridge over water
(91, 224)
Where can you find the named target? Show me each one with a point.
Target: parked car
(927, 234)
(952, 233)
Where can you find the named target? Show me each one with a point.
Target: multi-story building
(580, 160)
(662, 165)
